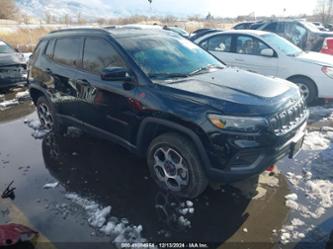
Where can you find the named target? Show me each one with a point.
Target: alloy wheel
(45, 116)
(170, 168)
(305, 91)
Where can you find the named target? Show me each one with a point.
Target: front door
(248, 56)
(105, 105)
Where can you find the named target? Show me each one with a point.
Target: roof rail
(102, 30)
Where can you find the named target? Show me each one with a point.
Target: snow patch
(23, 95)
(38, 131)
(4, 105)
(99, 217)
(292, 197)
(51, 185)
(316, 141)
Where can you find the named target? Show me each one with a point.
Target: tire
(47, 117)
(175, 166)
(307, 87)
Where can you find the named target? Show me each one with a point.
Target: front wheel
(307, 88)
(175, 165)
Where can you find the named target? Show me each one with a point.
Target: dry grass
(24, 39)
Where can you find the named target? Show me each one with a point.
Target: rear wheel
(175, 165)
(307, 87)
(47, 116)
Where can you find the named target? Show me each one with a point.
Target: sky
(223, 8)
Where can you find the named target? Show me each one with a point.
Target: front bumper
(262, 152)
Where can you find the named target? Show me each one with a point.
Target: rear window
(68, 51)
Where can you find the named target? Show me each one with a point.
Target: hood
(11, 59)
(316, 58)
(240, 87)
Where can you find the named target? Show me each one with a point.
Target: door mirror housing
(268, 52)
(116, 74)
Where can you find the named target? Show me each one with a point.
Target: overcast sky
(217, 7)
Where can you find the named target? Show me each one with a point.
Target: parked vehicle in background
(303, 34)
(12, 66)
(178, 30)
(166, 99)
(329, 27)
(243, 25)
(269, 54)
(320, 26)
(327, 46)
(200, 32)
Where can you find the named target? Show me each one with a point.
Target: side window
(271, 27)
(249, 45)
(50, 49)
(67, 51)
(220, 43)
(99, 54)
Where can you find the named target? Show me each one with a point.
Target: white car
(271, 55)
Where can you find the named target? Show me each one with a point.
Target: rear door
(53, 66)
(248, 56)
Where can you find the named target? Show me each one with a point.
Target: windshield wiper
(205, 68)
(167, 75)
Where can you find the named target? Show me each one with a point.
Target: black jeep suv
(164, 98)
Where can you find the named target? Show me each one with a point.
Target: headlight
(238, 124)
(328, 71)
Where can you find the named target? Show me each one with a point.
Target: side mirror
(268, 52)
(115, 74)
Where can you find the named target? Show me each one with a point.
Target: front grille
(286, 120)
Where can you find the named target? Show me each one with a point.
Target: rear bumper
(252, 161)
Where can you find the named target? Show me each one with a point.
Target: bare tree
(8, 9)
(324, 11)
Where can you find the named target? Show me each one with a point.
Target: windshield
(310, 26)
(282, 44)
(4, 48)
(168, 56)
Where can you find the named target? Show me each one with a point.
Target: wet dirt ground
(109, 175)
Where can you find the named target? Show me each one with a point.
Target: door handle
(240, 60)
(84, 82)
(48, 70)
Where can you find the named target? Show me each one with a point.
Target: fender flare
(176, 127)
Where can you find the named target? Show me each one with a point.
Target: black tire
(306, 84)
(190, 173)
(56, 127)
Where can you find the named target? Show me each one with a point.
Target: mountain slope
(87, 9)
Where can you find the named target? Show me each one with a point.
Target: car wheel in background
(175, 165)
(307, 87)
